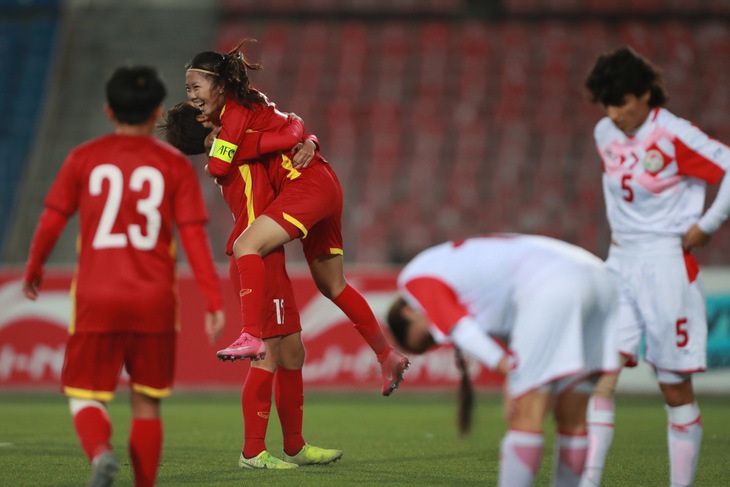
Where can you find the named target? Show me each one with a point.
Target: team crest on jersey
(653, 160)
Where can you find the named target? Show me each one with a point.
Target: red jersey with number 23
(129, 190)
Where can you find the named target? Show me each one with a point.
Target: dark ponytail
(465, 396)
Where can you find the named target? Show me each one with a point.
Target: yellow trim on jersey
(296, 223)
(223, 150)
(287, 164)
(72, 293)
(245, 171)
(151, 391)
(336, 251)
(103, 396)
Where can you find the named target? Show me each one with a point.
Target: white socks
(601, 413)
(684, 436)
(570, 460)
(520, 457)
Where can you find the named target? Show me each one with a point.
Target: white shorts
(563, 330)
(658, 302)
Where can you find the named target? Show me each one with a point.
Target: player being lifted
(308, 205)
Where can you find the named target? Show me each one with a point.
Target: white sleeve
(719, 210)
(471, 339)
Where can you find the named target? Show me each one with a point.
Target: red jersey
(129, 190)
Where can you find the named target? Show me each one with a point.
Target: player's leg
(89, 389)
(145, 438)
(600, 422)
(261, 237)
(601, 407)
(328, 274)
(521, 448)
(150, 361)
(677, 341)
(684, 428)
(256, 408)
(289, 397)
(571, 438)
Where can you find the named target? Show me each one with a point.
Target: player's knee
(606, 386)
(76, 405)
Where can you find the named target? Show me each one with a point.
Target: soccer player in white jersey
(655, 170)
(533, 308)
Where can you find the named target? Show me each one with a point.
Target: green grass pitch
(407, 439)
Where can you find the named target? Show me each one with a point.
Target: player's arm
(702, 157)
(701, 232)
(251, 145)
(194, 239)
(444, 310)
(50, 226)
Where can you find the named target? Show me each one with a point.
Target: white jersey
(654, 181)
(485, 272)
(548, 300)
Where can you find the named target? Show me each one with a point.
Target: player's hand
(214, 324)
(303, 153)
(31, 287)
(695, 238)
(208, 143)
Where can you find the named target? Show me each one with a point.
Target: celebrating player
(130, 189)
(281, 367)
(308, 204)
(656, 166)
(551, 302)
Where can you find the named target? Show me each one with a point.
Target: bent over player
(533, 308)
(655, 170)
(130, 189)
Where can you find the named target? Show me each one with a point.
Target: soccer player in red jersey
(130, 190)
(308, 203)
(280, 371)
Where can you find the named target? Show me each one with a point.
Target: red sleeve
(195, 241)
(313, 138)
(438, 301)
(50, 226)
(235, 122)
(282, 140)
(692, 163)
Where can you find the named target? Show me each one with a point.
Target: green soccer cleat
(313, 455)
(265, 460)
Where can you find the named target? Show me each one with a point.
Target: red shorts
(310, 207)
(93, 362)
(280, 314)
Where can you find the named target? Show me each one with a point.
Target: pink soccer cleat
(392, 369)
(246, 346)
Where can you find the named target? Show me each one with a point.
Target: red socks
(289, 396)
(256, 406)
(253, 282)
(145, 447)
(357, 309)
(94, 430)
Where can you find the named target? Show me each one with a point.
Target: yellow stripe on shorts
(296, 223)
(103, 396)
(151, 392)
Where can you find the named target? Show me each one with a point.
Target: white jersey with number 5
(654, 181)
